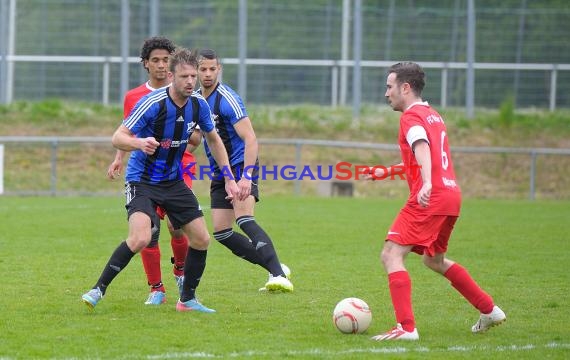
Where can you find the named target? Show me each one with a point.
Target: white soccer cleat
(286, 271)
(397, 333)
(278, 283)
(487, 321)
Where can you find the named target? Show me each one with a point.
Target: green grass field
(53, 249)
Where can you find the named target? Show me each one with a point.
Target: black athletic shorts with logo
(175, 197)
(218, 189)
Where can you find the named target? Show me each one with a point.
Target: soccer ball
(352, 316)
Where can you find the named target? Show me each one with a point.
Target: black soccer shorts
(175, 197)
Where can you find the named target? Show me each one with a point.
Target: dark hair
(411, 73)
(183, 56)
(153, 43)
(208, 54)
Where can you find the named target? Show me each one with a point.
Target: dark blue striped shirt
(227, 108)
(156, 115)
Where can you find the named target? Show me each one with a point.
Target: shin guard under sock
(464, 283)
(193, 269)
(179, 250)
(239, 245)
(117, 262)
(400, 286)
(262, 243)
(150, 257)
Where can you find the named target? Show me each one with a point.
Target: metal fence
(477, 52)
(37, 165)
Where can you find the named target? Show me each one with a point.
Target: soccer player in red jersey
(154, 58)
(425, 223)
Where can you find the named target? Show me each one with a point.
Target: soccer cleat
(487, 321)
(155, 298)
(278, 283)
(192, 305)
(92, 297)
(286, 271)
(397, 333)
(179, 283)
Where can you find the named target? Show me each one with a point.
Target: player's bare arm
(194, 141)
(423, 157)
(244, 129)
(124, 140)
(221, 156)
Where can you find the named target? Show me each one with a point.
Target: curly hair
(153, 43)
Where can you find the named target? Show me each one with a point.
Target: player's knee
(137, 242)
(385, 257)
(200, 242)
(433, 263)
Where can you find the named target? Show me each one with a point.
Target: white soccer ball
(352, 316)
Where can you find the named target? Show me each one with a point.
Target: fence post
(106, 69)
(1, 169)
(553, 80)
(444, 86)
(53, 188)
(532, 174)
(298, 146)
(334, 86)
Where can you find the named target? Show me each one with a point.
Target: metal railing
(336, 67)
(298, 144)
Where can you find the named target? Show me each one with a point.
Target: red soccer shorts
(428, 234)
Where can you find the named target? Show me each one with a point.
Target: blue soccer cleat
(92, 297)
(192, 305)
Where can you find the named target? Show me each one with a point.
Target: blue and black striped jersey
(156, 115)
(227, 108)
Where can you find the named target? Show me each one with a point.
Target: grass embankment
(82, 168)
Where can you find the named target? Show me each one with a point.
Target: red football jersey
(421, 121)
(133, 96)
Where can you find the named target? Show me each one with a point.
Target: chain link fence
(506, 32)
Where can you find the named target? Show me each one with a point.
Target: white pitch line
(372, 350)
(328, 353)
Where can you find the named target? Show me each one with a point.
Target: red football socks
(151, 262)
(400, 286)
(179, 250)
(464, 283)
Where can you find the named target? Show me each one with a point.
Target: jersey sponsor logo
(190, 127)
(169, 143)
(448, 182)
(216, 120)
(434, 119)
